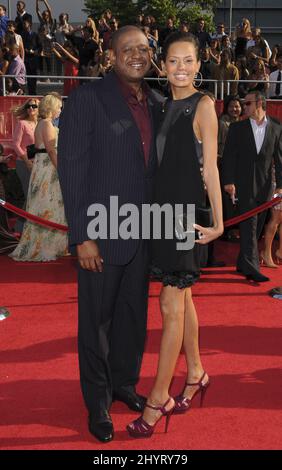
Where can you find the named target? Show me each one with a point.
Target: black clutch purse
(183, 222)
(204, 216)
(31, 151)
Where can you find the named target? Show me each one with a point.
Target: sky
(73, 7)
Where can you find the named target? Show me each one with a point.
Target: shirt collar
(254, 122)
(129, 93)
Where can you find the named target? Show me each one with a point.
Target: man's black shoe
(257, 277)
(101, 427)
(134, 401)
(215, 264)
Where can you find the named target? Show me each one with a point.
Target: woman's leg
(279, 251)
(172, 308)
(269, 234)
(191, 346)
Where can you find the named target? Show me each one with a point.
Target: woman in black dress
(187, 140)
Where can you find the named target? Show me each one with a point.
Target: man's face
(224, 58)
(113, 25)
(26, 26)
(2, 11)
(132, 57)
(20, 7)
(220, 28)
(250, 105)
(205, 54)
(170, 23)
(201, 25)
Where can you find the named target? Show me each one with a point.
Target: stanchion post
(4, 86)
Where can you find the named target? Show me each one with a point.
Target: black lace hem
(180, 279)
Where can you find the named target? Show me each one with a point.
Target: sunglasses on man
(248, 103)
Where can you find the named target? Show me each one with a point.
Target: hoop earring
(162, 84)
(198, 79)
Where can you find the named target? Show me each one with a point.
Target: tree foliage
(127, 10)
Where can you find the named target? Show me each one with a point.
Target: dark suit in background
(19, 21)
(100, 154)
(251, 172)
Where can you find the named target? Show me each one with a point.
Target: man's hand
(89, 256)
(230, 189)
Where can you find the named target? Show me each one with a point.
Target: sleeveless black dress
(178, 181)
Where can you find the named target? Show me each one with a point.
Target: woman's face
(234, 109)
(57, 110)
(257, 40)
(181, 64)
(32, 109)
(259, 68)
(45, 15)
(106, 60)
(11, 28)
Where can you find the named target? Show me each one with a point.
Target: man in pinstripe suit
(107, 148)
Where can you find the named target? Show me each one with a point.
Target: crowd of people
(60, 48)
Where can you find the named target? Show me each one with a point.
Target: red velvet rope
(47, 223)
(32, 218)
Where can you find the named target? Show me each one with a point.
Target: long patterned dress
(45, 200)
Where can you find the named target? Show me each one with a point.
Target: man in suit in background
(22, 16)
(251, 147)
(107, 148)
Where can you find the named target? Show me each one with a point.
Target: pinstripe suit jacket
(100, 155)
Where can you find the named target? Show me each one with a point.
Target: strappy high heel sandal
(182, 403)
(140, 428)
(278, 259)
(265, 262)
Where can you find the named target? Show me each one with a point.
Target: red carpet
(241, 343)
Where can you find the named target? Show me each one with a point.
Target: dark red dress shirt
(140, 113)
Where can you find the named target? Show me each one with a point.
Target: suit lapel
(119, 113)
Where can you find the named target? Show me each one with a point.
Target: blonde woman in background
(90, 23)
(243, 35)
(44, 195)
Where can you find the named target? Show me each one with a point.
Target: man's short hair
(4, 8)
(121, 32)
(260, 96)
(22, 3)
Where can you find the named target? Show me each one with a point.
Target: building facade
(264, 14)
